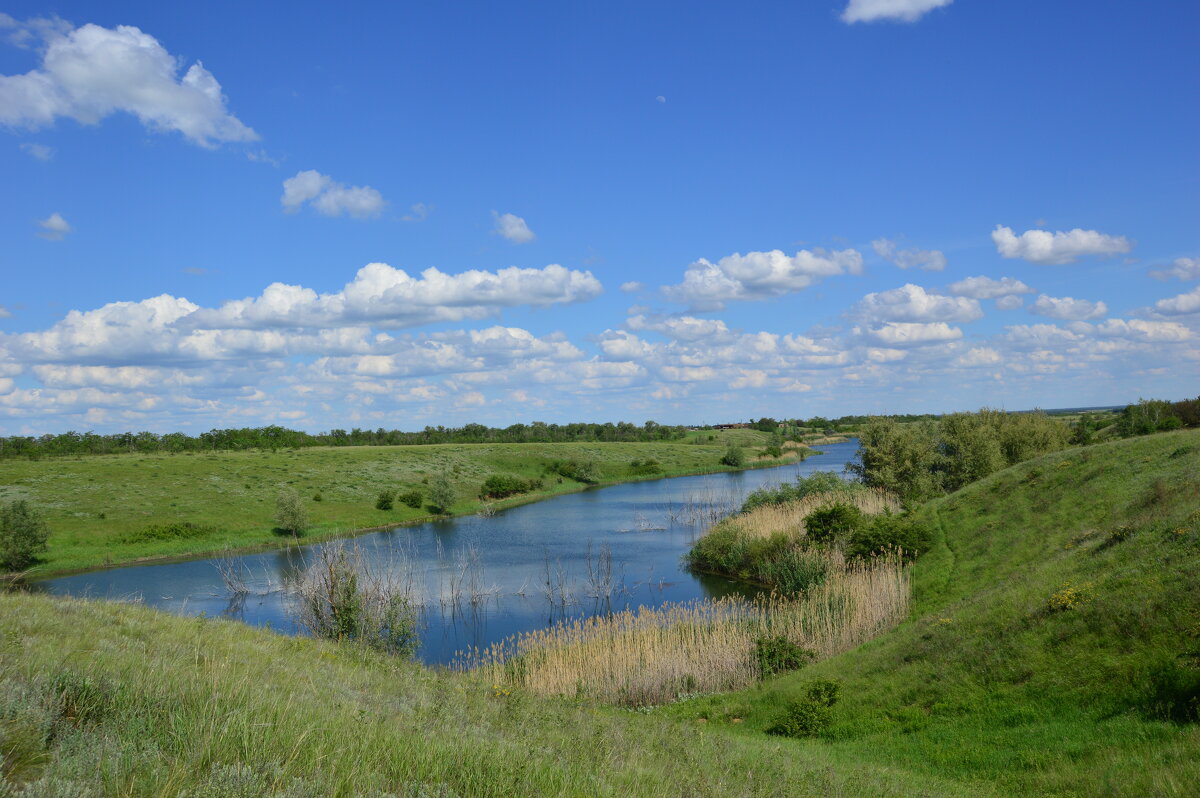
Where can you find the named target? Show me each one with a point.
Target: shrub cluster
(885, 534)
(833, 522)
(411, 498)
(578, 470)
(173, 530)
(777, 654)
(817, 482)
(777, 560)
(499, 486)
(810, 714)
(646, 467)
(1156, 415)
(384, 500)
(23, 536)
(734, 457)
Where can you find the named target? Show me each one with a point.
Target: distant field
(95, 503)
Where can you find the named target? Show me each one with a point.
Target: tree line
(276, 437)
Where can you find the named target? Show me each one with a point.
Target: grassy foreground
(99, 506)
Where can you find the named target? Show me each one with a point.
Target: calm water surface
(480, 579)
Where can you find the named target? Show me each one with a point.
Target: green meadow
(1052, 649)
(103, 509)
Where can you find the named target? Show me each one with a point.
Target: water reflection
(479, 579)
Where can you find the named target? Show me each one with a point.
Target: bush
(817, 482)
(889, 533)
(441, 493)
(809, 715)
(777, 654)
(580, 471)
(645, 467)
(384, 501)
(827, 524)
(734, 457)
(174, 530)
(23, 536)
(499, 486)
(291, 517)
(412, 498)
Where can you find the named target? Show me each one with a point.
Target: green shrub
(817, 482)
(411, 498)
(792, 570)
(734, 457)
(834, 521)
(174, 530)
(499, 486)
(291, 518)
(441, 493)
(889, 533)
(777, 654)
(384, 500)
(580, 471)
(23, 536)
(810, 714)
(645, 467)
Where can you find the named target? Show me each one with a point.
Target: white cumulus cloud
(986, 288)
(1180, 305)
(1042, 246)
(1068, 308)
(912, 303)
(329, 197)
(1181, 269)
(54, 227)
(931, 260)
(513, 228)
(891, 10)
(895, 333)
(39, 151)
(758, 275)
(91, 72)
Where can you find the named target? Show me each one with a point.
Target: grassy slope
(158, 705)
(92, 502)
(986, 686)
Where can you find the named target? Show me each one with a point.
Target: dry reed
(767, 519)
(652, 656)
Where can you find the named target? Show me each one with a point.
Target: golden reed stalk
(652, 656)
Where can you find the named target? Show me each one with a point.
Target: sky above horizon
(228, 215)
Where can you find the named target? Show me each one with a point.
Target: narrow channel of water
(480, 579)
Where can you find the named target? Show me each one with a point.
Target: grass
(1051, 649)
(1055, 623)
(652, 656)
(109, 509)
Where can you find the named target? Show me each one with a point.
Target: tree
(441, 493)
(290, 514)
(734, 456)
(23, 535)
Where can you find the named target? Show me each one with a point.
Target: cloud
(758, 275)
(891, 10)
(5, 313)
(661, 98)
(987, 288)
(420, 212)
(329, 197)
(632, 287)
(54, 227)
(91, 72)
(1180, 305)
(931, 260)
(911, 334)
(1068, 308)
(513, 228)
(978, 356)
(1149, 331)
(1011, 302)
(1182, 269)
(39, 151)
(1040, 246)
(912, 303)
(1039, 336)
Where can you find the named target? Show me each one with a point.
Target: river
(479, 579)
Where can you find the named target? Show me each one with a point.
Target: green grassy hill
(1055, 643)
(1052, 651)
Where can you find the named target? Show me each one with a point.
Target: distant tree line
(275, 437)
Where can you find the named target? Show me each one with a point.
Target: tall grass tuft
(649, 656)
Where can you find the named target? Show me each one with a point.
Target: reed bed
(768, 519)
(647, 657)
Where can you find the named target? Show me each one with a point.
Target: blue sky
(683, 212)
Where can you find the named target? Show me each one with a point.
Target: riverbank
(111, 510)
